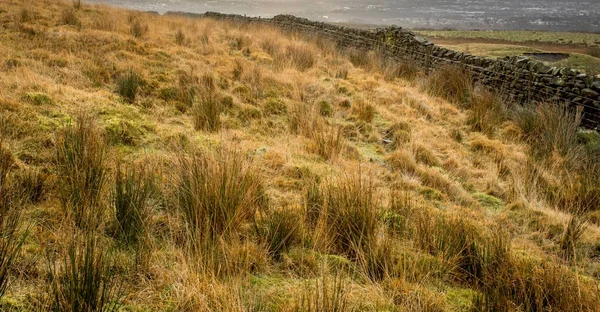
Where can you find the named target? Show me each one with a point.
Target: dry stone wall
(519, 78)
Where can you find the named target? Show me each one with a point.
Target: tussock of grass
(534, 286)
(275, 107)
(360, 58)
(424, 155)
(128, 85)
(349, 215)
(450, 83)
(570, 239)
(80, 157)
(325, 295)
(180, 37)
(305, 120)
(133, 189)
(208, 108)
(281, 230)
(11, 202)
(302, 56)
(313, 203)
(328, 143)
(84, 281)
(399, 69)
(488, 111)
(137, 28)
(593, 51)
(364, 111)
(69, 17)
(453, 239)
(218, 193)
(32, 183)
(403, 161)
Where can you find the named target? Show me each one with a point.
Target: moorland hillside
(159, 163)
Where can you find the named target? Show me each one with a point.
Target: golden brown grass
(246, 168)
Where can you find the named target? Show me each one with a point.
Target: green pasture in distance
(578, 61)
(592, 39)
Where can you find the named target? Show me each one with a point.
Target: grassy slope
(52, 71)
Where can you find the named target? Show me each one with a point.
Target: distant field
(579, 61)
(583, 48)
(591, 39)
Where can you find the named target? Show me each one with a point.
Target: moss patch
(37, 98)
(489, 201)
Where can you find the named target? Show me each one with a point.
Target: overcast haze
(554, 15)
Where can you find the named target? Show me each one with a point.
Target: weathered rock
(589, 93)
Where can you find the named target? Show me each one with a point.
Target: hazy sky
(533, 14)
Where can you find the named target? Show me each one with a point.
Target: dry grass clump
(31, 182)
(593, 51)
(550, 128)
(423, 154)
(128, 85)
(487, 263)
(393, 69)
(280, 230)
(326, 295)
(303, 57)
(137, 29)
(450, 83)
(552, 131)
(217, 193)
(99, 71)
(11, 203)
(453, 239)
(305, 119)
(488, 112)
(364, 111)
(362, 58)
(271, 45)
(69, 17)
(217, 196)
(180, 37)
(349, 215)
(533, 285)
(397, 135)
(403, 161)
(133, 189)
(275, 106)
(328, 142)
(6, 163)
(187, 89)
(571, 236)
(84, 280)
(76, 4)
(80, 157)
(313, 202)
(207, 110)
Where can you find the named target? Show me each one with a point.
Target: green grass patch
(37, 98)
(489, 201)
